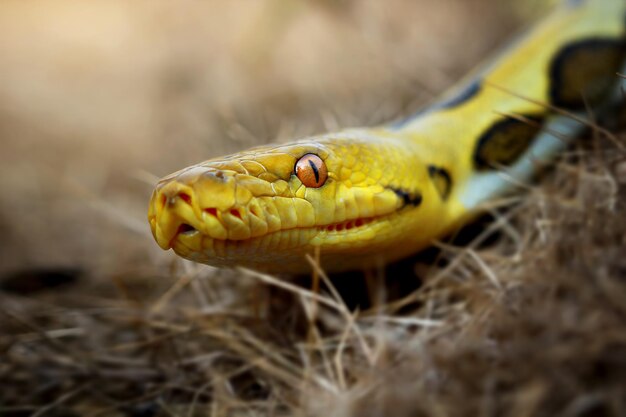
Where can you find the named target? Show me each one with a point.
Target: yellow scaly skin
(391, 190)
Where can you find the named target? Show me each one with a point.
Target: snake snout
(196, 205)
(184, 228)
(171, 214)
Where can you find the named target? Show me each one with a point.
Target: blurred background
(99, 99)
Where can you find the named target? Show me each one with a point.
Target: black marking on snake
(584, 71)
(466, 94)
(441, 179)
(505, 141)
(315, 171)
(409, 199)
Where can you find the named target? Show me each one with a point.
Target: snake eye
(311, 170)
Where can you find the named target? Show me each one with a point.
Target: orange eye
(311, 170)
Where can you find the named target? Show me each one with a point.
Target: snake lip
(345, 226)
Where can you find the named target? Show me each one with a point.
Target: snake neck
(492, 129)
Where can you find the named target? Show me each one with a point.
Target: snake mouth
(184, 229)
(188, 239)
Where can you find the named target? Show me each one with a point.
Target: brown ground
(97, 100)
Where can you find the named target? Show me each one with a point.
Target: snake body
(371, 195)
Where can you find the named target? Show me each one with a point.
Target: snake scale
(371, 195)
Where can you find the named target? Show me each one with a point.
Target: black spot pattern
(409, 199)
(584, 71)
(505, 141)
(441, 179)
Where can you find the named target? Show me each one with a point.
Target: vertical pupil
(315, 171)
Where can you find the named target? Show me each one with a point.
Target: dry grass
(523, 316)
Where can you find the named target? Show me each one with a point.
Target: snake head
(255, 209)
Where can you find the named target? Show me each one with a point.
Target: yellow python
(365, 196)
